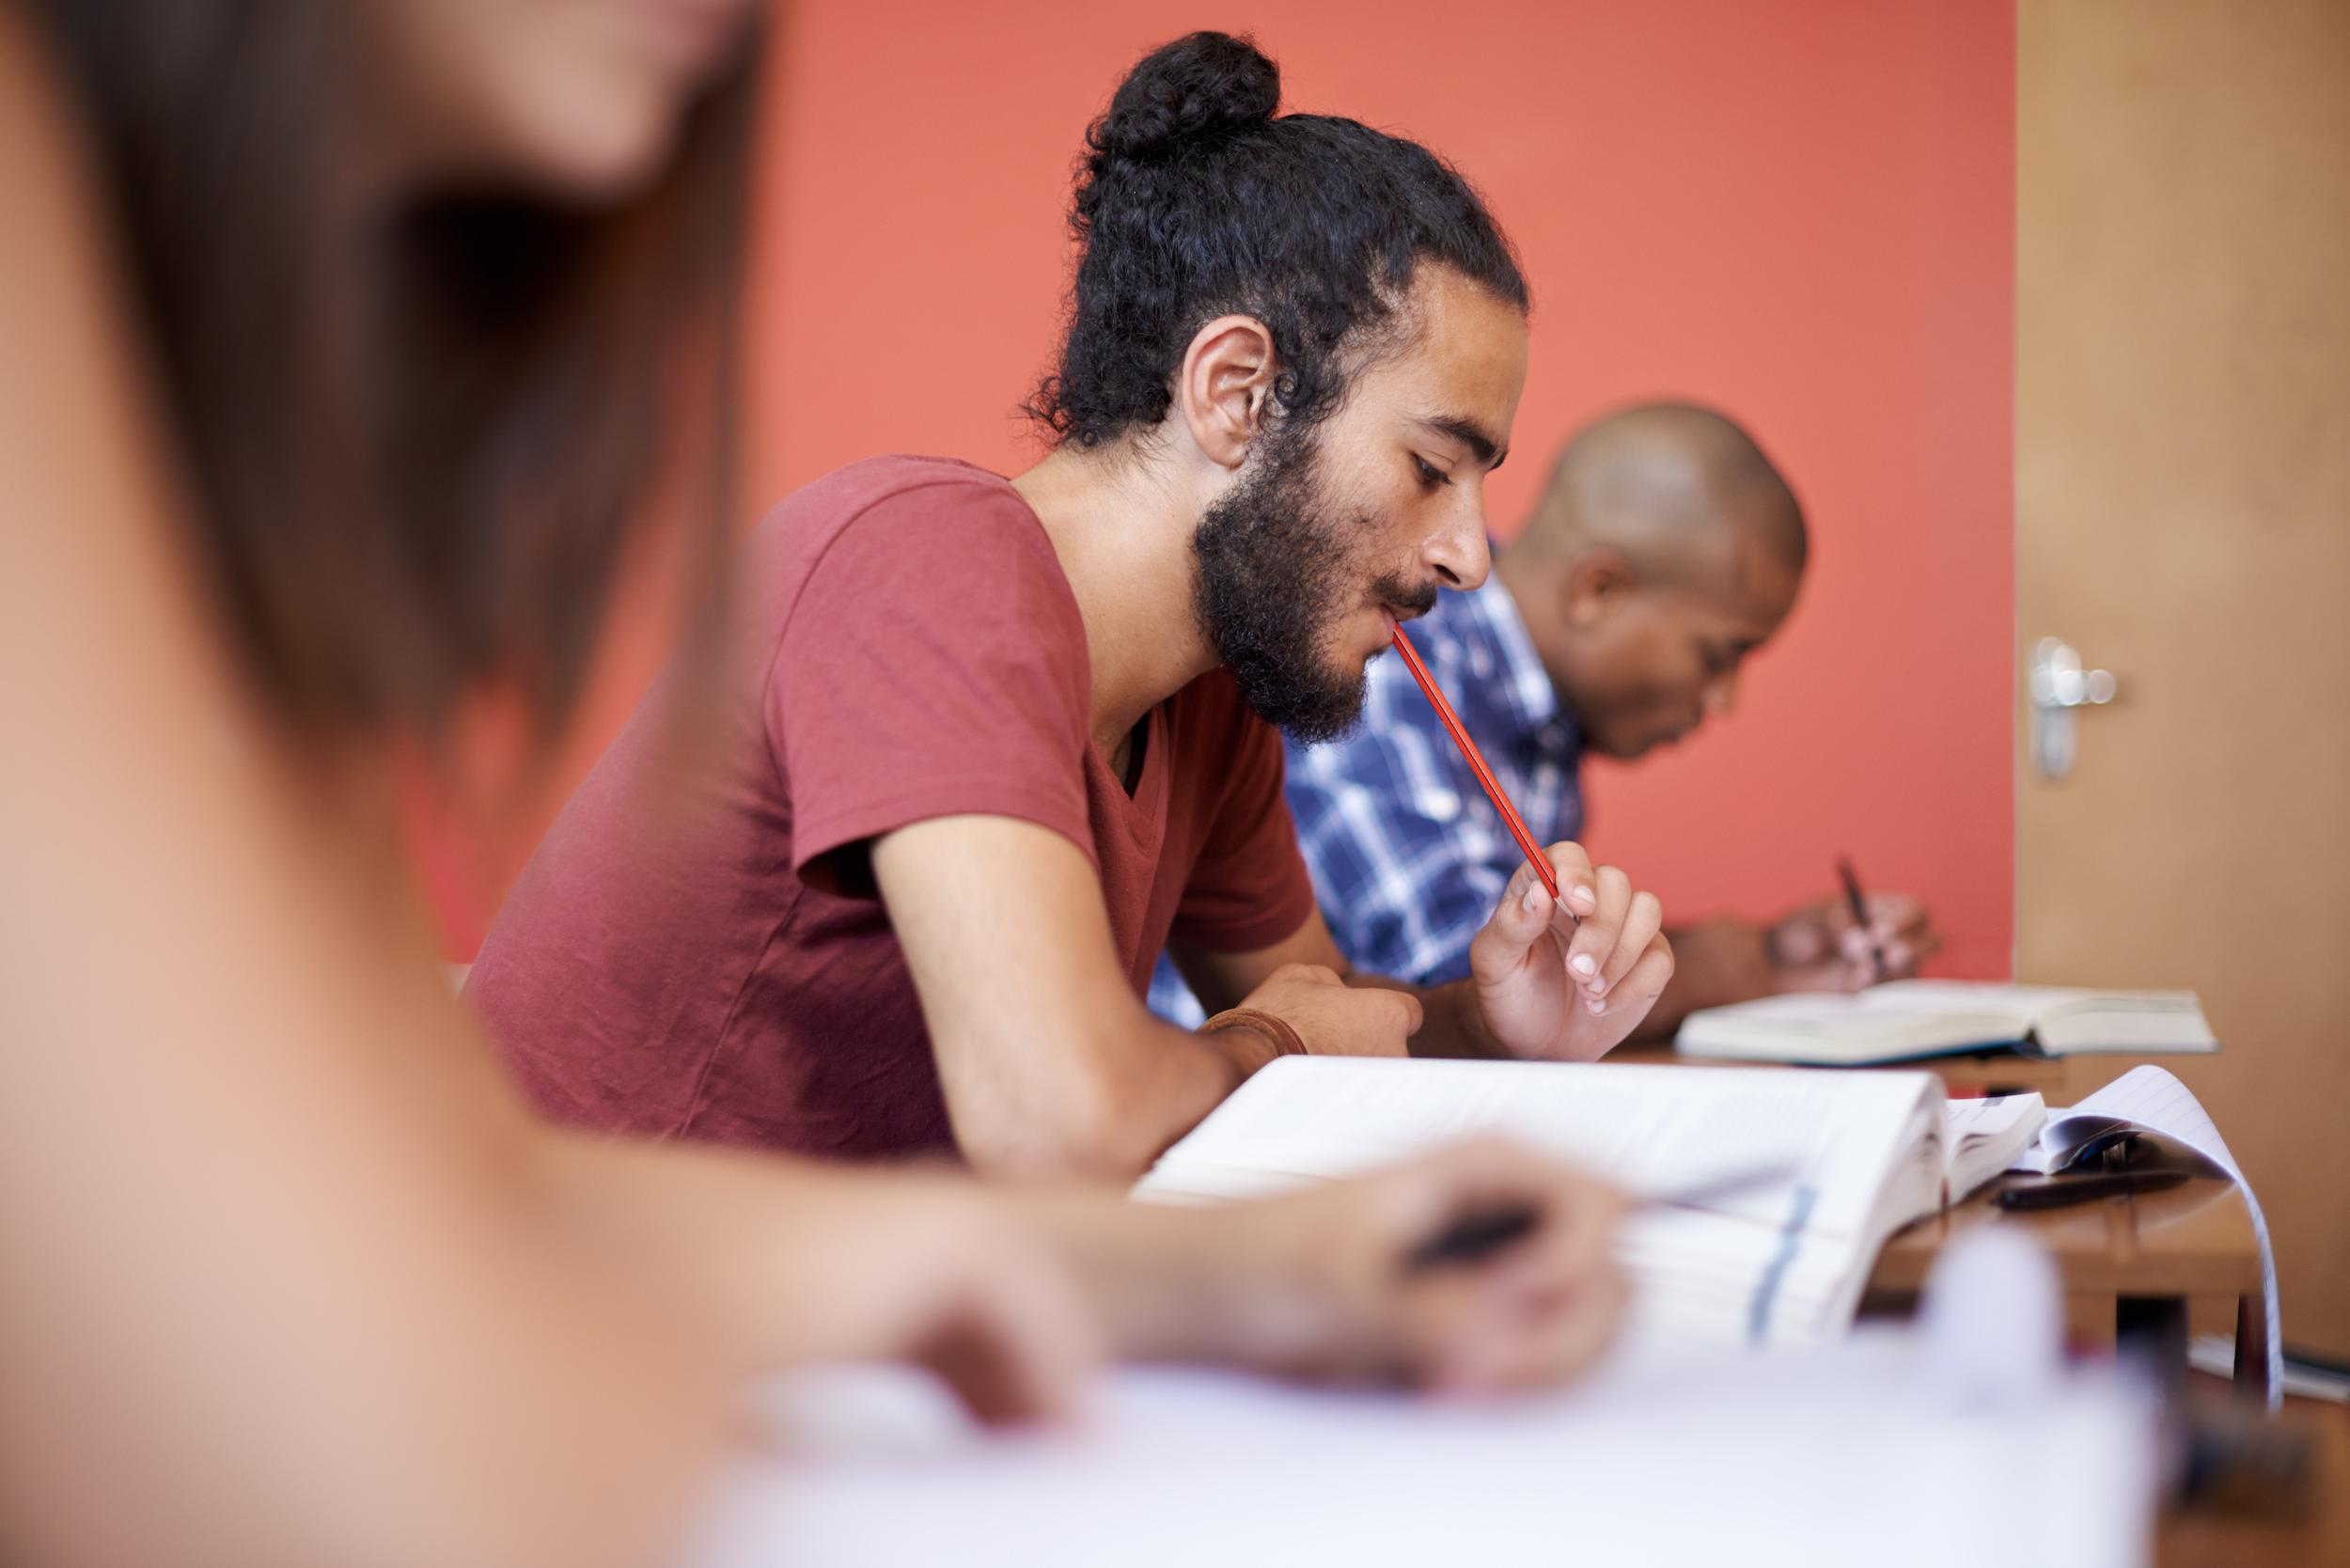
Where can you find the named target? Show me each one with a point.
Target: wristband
(1286, 1041)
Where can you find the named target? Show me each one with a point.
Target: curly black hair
(1195, 200)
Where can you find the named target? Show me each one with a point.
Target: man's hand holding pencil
(1573, 958)
(1566, 979)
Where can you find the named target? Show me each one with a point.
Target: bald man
(1666, 548)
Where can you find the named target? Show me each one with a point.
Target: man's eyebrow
(1471, 434)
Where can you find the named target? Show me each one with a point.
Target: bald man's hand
(1820, 946)
(1568, 980)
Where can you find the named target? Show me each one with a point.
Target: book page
(1779, 1262)
(1651, 1130)
(2149, 1098)
(1980, 1136)
(1882, 1023)
(2066, 1019)
(1989, 1118)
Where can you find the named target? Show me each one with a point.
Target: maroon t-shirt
(913, 651)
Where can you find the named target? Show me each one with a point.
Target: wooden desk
(1984, 1071)
(2132, 1266)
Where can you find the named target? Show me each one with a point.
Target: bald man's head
(1665, 548)
(1669, 483)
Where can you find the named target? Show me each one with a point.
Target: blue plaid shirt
(1408, 856)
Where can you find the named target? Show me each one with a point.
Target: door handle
(2058, 687)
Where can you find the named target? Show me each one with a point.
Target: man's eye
(1430, 475)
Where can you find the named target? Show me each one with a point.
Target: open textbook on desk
(1782, 1262)
(1908, 1019)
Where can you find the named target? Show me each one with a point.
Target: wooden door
(2183, 519)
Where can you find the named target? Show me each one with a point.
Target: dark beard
(1274, 577)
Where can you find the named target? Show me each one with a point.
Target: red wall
(1802, 213)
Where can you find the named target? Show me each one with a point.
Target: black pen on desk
(2061, 1191)
(1859, 905)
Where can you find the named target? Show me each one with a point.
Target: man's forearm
(1110, 1117)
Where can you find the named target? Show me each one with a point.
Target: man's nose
(1458, 550)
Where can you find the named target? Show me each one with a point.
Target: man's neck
(1534, 586)
(1122, 533)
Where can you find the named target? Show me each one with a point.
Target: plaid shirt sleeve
(1407, 868)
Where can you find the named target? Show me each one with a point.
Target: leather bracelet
(1286, 1041)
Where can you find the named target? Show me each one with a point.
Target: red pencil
(1534, 855)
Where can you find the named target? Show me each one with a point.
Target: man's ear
(1595, 585)
(1224, 386)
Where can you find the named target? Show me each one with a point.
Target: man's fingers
(1522, 914)
(1641, 922)
(1594, 941)
(1577, 887)
(1406, 1006)
(1646, 980)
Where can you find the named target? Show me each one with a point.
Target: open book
(1907, 1019)
(1854, 1157)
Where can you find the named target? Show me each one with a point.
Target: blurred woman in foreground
(348, 346)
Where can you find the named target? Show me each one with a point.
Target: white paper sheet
(2152, 1099)
(1843, 1456)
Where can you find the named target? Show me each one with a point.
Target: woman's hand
(937, 1272)
(1322, 1284)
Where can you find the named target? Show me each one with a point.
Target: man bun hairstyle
(1193, 87)
(1197, 198)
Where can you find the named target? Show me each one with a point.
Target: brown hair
(419, 440)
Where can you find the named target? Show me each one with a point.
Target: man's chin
(1623, 748)
(1633, 749)
(1322, 724)
(1309, 715)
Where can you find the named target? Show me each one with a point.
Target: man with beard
(992, 744)
(1665, 550)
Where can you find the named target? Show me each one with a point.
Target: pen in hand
(1481, 1232)
(1860, 914)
